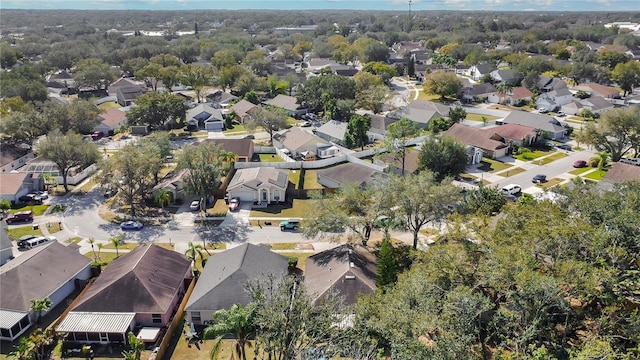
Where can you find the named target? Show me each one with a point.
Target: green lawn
(596, 175)
(237, 128)
(21, 231)
(37, 209)
(512, 172)
(300, 208)
(549, 183)
(551, 158)
(478, 117)
(109, 105)
(491, 165)
(302, 257)
(311, 180)
(580, 170)
(426, 97)
(294, 179)
(270, 158)
(531, 155)
(282, 246)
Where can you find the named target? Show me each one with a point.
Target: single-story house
(15, 185)
(379, 125)
(6, 245)
(478, 92)
(492, 144)
(289, 103)
(243, 110)
(515, 96)
(549, 83)
(421, 117)
(127, 95)
(140, 288)
(224, 278)
(439, 108)
(554, 99)
(349, 270)
(173, 183)
(298, 141)
(124, 82)
(477, 72)
(621, 172)
(597, 104)
(333, 131)
(206, 116)
(551, 128)
(507, 76)
(221, 99)
(346, 173)
(61, 80)
(242, 148)
(596, 89)
(14, 157)
(50, 271)
(394, 164)
(314, 65)
(344, 70)
(110, 121)
(259, 185)
(517, 134)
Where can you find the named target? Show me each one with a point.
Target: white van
(511, 189)
(37, 241)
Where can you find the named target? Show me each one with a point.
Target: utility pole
(409, 22)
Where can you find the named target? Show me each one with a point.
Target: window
(156, 318)
(195, 317)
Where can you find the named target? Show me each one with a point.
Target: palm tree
(193, 251)
(40, 339)
(162, 197)
(504, 88)
(24, 350)
(601, 158)
(100, 246)
(92, 242)
(136, 345)
(116, 242)
(38, 306)
(238, 322)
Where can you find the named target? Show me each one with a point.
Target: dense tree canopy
(335, 86)
(616, 132)
(158, 110)
(444, 156)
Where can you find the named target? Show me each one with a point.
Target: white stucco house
(261, 185)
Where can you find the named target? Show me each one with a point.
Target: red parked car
(579, 164)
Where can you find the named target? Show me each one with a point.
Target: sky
(398, 5)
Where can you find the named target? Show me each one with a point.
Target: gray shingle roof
(222, 282)
(536, 121)
(253, 178)
(37, 273)
(334, 129)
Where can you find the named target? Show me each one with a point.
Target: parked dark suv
(20, 217)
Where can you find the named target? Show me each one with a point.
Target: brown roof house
(140, 288)
(111, 120)
(515, 96)
(243, 110)
(394, 165)
(15, 185)
(260, 185)
(173, 183)
(491, 144)
(289, 103)
(349, 270)
(596, 89)
(547, 125)
(348, 173)
(243, 148)
(224, 278)
(51, 271)
(619, 173)
(520, 135)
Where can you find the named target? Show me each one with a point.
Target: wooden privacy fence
(177, 319)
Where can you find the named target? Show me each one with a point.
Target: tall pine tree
(387, 265)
